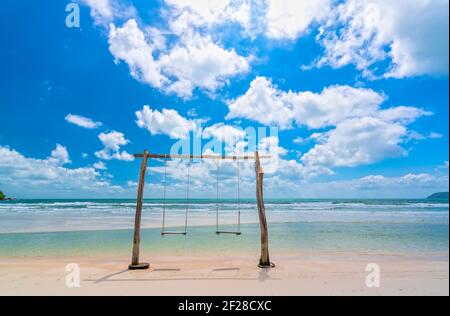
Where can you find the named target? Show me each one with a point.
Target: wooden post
(135, 264)
(264, 261)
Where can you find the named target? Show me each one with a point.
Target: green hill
(2, 196)
(438, 196)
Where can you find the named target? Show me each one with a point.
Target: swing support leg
(264, 261)
(135, 264)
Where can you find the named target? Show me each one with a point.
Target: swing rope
(217, 198)
(239, 196)
(164, 232)
(164, 198)
(187, 196)
(238, 232)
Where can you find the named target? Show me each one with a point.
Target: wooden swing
(163, 229)
(218, 231)
(264, 261)
(164, 232)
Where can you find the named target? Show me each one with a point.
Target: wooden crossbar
(161, 156)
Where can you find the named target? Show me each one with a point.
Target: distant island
(4, 198)
(438, 196)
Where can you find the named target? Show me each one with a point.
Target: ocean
(91, 227)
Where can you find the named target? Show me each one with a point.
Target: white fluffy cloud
(105, 11)
(262, 103)
(202, 64)
(411, 34)
(277, 19)
(190, 17)
(100, 9)
(359, 131)
(60, 155)
(423, 180)
(265, 103)
(287, 19)
(187, 14)
(403, 114)
(22, 176)
(168, 122)
(194, 63)
(271, 146)
(112, 142)
(129, 44)
(356, 142)
(372, 186)
(82, 121)
(100, 165)
(224, 133)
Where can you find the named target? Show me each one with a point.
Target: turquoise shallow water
(284, 238)
(91, 227)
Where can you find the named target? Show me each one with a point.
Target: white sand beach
(299, 274)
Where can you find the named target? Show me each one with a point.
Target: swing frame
(264, 261)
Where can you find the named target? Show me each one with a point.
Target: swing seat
(228, 233)
(173, 233)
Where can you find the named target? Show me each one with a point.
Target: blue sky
(357, 89)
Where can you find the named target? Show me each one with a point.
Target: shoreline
(295, 274)
(193, 253)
